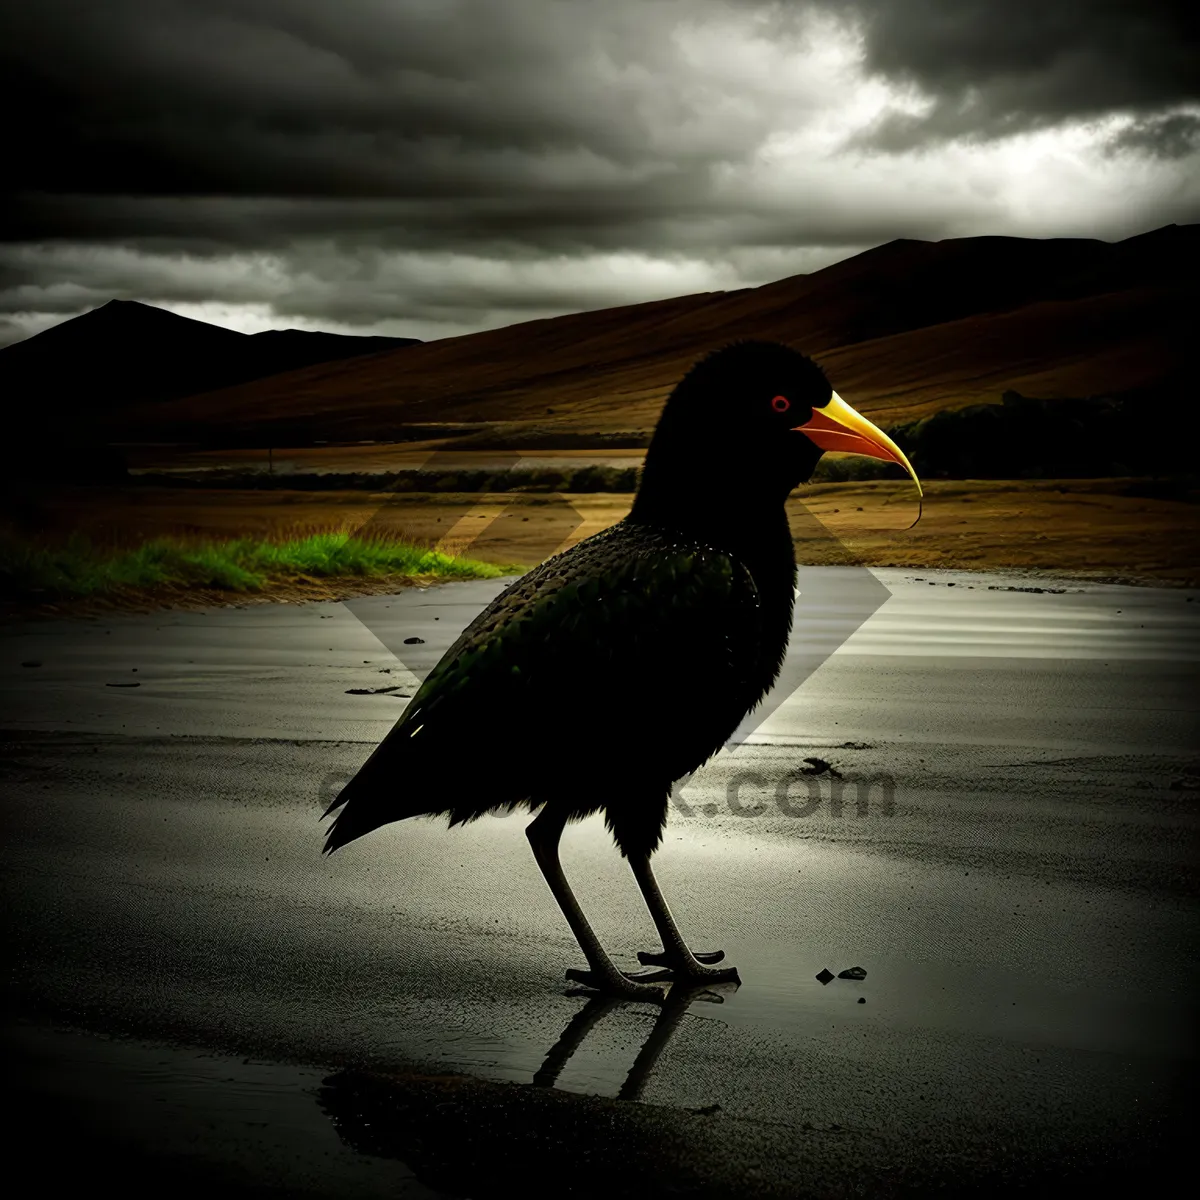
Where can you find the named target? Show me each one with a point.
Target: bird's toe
(705, 974)
(660, 958)
(691, 971)
(633, 987)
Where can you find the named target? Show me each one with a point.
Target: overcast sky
(426, 168)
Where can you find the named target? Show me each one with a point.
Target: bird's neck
(738, 508)
(755, 533)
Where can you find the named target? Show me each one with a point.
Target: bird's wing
(606, 608)
(610, 635)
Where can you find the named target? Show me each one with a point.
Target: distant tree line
(1134, 433)
(580, 479)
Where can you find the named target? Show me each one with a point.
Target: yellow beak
(838, 427)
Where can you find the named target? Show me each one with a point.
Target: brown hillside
(903, 330)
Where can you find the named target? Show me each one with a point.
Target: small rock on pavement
(414, 641)
(826, 975)
(853, 973)
(819, 767)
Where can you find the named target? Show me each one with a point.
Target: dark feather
(595, 680)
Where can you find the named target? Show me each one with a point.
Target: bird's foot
(631, 986)
(660, 958)
(687, 967)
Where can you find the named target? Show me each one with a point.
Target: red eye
(781, 404)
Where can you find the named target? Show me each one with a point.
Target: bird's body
(613, 669)
(636, 652)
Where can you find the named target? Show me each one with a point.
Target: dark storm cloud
(1175, 136)
(561, 221)
(578, 123)
(994, 68)
(460, 163)
(477, 105)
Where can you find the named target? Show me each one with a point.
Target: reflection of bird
(470, 1137)
(613, 669)
(676, 1005)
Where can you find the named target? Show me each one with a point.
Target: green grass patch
(76, 567)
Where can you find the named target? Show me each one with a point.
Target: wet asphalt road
(1016, 874)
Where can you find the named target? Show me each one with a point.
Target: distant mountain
(125, 353)
(289, 349)
(904, 330)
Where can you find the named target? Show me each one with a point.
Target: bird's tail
(371, 799)
(349, 824)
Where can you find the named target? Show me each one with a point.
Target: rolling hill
(904, 330)
(125, 353)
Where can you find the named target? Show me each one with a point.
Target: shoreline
(183, 599)
(351, 587)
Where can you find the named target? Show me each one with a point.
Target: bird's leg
(676, 956)
(544, 834)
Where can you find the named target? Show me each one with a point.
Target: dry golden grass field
(1093, 529)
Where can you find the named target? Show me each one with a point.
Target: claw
(633, 987)
(660, 958)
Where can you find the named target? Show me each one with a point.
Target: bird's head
(748, 424)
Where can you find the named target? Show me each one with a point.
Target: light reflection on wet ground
(1025, 910)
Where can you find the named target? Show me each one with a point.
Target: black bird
(613, 669)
